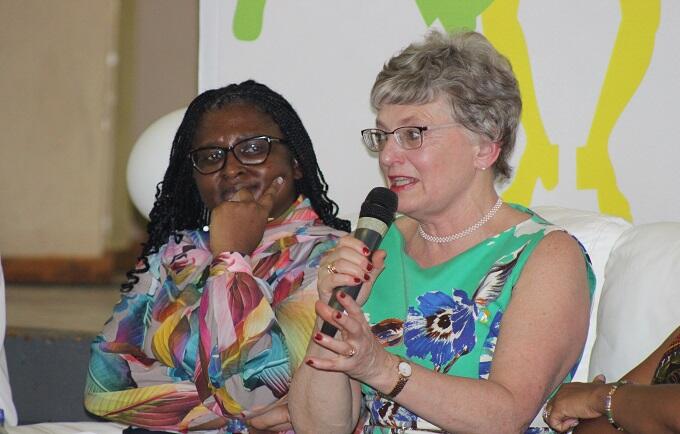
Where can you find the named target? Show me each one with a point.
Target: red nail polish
(310, 363)
(367, 277)
(318, 336)
(342, 294)
(357, 280)
(338, 315)
(369, 267)
(366, 251)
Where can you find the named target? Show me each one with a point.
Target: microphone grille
(381, 203)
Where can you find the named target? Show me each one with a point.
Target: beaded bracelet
(608, 403)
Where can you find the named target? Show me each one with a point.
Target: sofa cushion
(597, 233)
(640, 298)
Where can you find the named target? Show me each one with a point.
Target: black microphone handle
(372, 240)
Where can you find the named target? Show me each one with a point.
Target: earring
(206, 220)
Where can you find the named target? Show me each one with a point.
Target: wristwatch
(405, 371)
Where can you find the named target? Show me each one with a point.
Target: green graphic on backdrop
(248, 18)
(452, 14)
(628, 64)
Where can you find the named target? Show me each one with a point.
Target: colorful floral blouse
(447, 317)
(202, 338)
(668, 370)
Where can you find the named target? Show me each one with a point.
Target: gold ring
(331, 268)
(546, 413)
(352, 352)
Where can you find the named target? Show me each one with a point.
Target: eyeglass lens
(407, 138)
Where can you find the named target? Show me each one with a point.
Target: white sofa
(635, 305)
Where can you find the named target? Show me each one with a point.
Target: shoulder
(559, 249)
(558, 265)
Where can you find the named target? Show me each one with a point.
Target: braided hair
(178, 205)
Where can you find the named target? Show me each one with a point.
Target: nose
(391, 153)
(232, 167)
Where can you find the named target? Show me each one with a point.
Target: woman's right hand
(576, 401)
(237, 225)
(350, 263)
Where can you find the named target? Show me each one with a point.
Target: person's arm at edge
(640, 407)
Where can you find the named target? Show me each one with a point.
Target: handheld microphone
(376, 216)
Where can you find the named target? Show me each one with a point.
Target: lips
(229, 192)
(400, 183)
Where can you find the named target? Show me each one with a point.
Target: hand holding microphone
(375, 218)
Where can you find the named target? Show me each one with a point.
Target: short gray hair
(465, 68)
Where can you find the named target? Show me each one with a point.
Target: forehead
(235, 121)
(396, 115)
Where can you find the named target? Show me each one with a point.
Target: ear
(297, 171)
(487, 154)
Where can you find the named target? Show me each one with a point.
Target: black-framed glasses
(409, 137)
(249, 152)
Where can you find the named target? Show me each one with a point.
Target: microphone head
(381, 203)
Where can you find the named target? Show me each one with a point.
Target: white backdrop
(323, 56)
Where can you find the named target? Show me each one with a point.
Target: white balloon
(149, 159)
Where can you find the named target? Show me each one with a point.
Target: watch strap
(401, 382)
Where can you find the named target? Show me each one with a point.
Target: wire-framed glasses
(249, 152)
(408, 137)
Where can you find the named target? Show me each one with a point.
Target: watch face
(405, 369)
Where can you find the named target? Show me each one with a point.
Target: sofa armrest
(640, 298)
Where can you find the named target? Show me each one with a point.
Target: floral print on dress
(442, 326)
(389, 413)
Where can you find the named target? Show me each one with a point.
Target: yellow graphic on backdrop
(628, 64)
(629, 61)
(540, 157)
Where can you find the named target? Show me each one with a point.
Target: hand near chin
(238, 224)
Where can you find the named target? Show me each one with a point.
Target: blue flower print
(388, 413)
(442, 326)
(489, 346)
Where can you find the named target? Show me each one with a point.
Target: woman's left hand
(576, 401)
(358, 352)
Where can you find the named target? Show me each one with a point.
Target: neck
(459, 216)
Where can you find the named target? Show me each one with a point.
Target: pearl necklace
(465, 232)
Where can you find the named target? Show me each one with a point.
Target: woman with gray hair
(475, 310)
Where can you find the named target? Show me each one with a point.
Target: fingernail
(318, 336)
(310, 363)
(357, 280)
(279, 180)
(365, 250)
(369, 267)
(342, 294)
(338, 315)
(367, 277)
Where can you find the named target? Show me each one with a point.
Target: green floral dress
(447, 318)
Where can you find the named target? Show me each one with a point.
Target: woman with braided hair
(216, 316)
